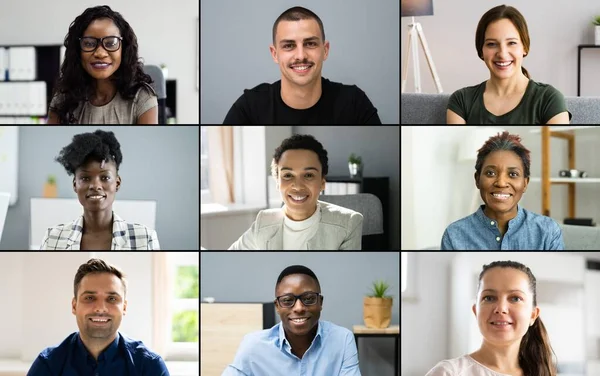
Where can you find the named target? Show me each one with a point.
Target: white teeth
(303, 67)
(501, 196)
(298, 198)
(98, 320)
(503, 64)
(299, 320)
(96, 197)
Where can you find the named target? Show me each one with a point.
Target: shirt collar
(515, 222)
(119, 231)
(108, 353)
(282, 340)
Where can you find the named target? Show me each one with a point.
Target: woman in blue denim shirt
(502, 175)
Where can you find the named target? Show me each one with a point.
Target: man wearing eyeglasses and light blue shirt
(301, 344)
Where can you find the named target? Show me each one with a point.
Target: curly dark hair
(504, 141)
(300, 141)
(75, 85)
(86, 147)
(95, 265)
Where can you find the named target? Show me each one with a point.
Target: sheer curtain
(220, 160)
(162, 285)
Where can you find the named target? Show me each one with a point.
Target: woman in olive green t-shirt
(509, 96)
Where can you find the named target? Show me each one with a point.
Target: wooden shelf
(567, 180)
(563, 132)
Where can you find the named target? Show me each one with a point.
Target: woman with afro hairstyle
(94, 159)
(502, 174)
(299, 167)
(101, 79)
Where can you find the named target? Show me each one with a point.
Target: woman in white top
(515, 341)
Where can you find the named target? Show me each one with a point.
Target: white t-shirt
(297, 233)
(463, 366)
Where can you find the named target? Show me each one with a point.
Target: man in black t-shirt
(302, 96)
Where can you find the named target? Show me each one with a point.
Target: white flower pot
(597, 35)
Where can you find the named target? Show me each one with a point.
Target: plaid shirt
(126, 236)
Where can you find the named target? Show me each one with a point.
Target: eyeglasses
(111, 43)
(289, 300)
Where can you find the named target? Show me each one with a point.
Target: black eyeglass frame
(100, 41)
(296, 297)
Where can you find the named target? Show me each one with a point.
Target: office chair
(370, 207)
(160, 86)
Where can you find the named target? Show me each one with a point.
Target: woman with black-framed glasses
(101, 79)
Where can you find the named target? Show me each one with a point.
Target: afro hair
(86, 147)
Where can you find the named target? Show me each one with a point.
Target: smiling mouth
(501, 197)
(298, 199)
(100, 321)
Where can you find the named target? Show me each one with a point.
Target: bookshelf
(47, 67)
(565, 133)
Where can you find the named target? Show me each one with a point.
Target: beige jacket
(339, 229)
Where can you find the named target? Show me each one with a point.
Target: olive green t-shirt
(540, 103)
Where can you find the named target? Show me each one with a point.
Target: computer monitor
(4, 199)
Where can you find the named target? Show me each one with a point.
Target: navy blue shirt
(526, 231)
(123, 357)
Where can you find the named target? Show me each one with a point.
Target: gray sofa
(577, 238)
(431, 109)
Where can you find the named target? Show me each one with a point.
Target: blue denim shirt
(527, 231)
(331, 353)
(123, 356)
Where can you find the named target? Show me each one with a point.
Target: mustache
(305, 62)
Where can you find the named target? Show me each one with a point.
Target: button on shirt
(527, 231)
(331, 353)
(123, 357)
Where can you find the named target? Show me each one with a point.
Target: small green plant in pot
(377, 306)
(50, 188)
(596, 23)
(355, 165)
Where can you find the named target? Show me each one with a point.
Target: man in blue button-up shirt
(98, 348)
(301, 344)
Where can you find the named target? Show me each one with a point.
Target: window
(204, 188)
(184, 316)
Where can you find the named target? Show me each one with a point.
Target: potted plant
(355, 165)
(377, 306)
(596, 23)
(50, 189)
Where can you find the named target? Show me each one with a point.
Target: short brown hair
(95, 265)
(297, 14)
(498, 13)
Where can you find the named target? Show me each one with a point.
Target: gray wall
(235, 39)
(166, 34)
(345, 279)
(159, 163)
(379, 147)
(555, 28)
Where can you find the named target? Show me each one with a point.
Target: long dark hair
(75, 85)
(535, 352)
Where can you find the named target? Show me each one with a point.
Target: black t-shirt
(339, 104)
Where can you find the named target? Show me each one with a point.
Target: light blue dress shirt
(268, 353)
(527, 231)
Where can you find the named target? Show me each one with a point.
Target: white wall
(555, 28)
(36, 290)
(166, 33)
